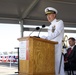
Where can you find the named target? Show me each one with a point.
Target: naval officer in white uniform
(55, 33)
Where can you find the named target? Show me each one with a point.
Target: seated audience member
(70, 56)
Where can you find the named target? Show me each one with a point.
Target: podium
(36, 56)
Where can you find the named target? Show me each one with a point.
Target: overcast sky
(9, 34)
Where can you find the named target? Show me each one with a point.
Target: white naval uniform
(56, 33)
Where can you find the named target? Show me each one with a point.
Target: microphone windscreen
(43, 26)
(37, 28)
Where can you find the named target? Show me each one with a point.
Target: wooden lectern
(36, 56)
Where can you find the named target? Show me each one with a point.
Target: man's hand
(65, 61)
(64, 51)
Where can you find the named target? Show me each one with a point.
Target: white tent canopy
(31, 12)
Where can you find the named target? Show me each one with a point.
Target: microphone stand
(40, 30)
(31, 32)
(39, 33)
(37, 28)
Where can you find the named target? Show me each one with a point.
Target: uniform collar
(53, 21)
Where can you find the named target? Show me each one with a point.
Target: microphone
(41, 29)
(37, 28)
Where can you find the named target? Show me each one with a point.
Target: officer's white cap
(50, 10)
